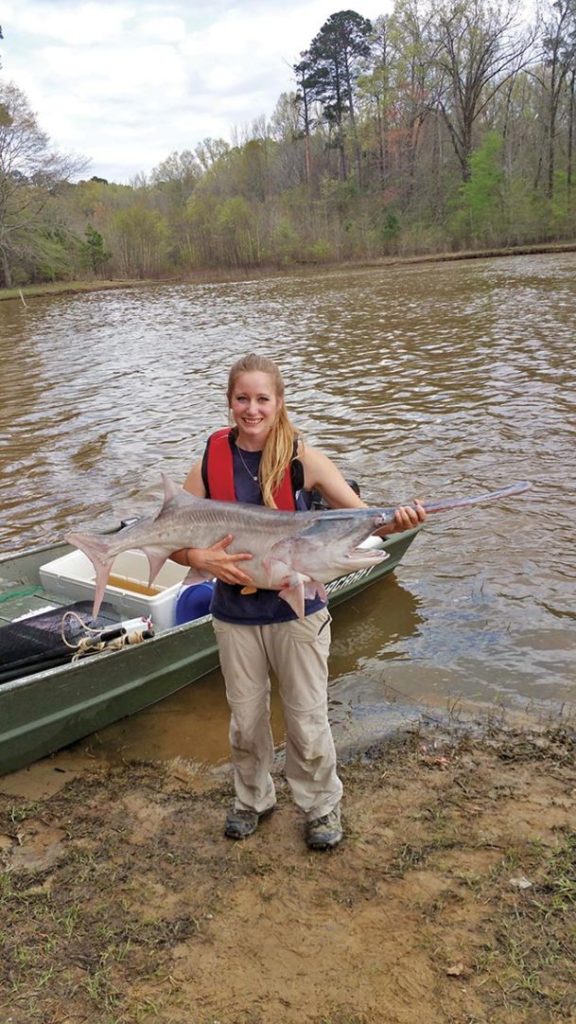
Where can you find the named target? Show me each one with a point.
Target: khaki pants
(297, 651)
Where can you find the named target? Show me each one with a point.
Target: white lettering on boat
(347, 581)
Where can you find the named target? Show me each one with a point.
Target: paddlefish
(296, 553)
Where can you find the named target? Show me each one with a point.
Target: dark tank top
(265, 606)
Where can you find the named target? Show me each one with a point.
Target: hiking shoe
(243, 823)
(326, 832)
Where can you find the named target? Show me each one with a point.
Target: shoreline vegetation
(219, 275)
(451, 901)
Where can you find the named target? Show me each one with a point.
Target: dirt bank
(452, 900)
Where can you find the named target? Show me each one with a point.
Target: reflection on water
(421, 380)
(375, 623)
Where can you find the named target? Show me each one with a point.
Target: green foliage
(93, 254)
(30, 174)
(198, 223)
(142, 241)
(525, 220)
(319, 252)
(562, 205)
(286, 242)
(234, 226)
(53, 257)
(390, 226)
(478, 220)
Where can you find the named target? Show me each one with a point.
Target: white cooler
(73, 576)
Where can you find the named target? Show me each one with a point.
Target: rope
(74, 615)
(88, 646)
(92, 644)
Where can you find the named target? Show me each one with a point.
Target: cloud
(127, 83)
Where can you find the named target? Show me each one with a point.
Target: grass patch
(533, 953)
(30, 291)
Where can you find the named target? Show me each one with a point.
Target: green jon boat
(47, 708)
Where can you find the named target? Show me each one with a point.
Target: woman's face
(254, 405)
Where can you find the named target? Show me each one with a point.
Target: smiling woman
(262, 460)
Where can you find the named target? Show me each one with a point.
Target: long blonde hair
(279, 448)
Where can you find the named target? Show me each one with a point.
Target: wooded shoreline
(434, 127)
(223, 275)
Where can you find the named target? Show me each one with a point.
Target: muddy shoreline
(451, 901)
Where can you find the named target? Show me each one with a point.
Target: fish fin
(174, 497)
(279, 574)
(156, 559)
(97, 551)
(294, 596)
(315, 589)
(249, 590)
(171, 489)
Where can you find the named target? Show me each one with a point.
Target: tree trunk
(6, 271)
(570, 153)
(382, 161)
(552, 136)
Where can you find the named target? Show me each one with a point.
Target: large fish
(295, 553)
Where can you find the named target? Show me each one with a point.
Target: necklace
(250, 474)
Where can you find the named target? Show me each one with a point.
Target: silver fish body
(295, 553)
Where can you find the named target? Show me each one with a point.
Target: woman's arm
(321, 474)
(194, 483)
(215, 560)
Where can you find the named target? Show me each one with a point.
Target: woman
(262, 460)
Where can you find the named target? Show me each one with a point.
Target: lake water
(421, 380)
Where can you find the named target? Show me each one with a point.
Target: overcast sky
(127, 82)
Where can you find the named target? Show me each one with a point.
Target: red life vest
(220, 473)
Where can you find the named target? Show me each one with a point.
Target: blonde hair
(279, 447)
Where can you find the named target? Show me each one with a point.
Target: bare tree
(556, 78)
(30, 173)
(478, 46)
(417, 81)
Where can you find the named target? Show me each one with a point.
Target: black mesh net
(49, 638)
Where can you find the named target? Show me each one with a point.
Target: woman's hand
(406, 517)
(216, 561)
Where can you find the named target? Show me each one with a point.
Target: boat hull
(45, 711)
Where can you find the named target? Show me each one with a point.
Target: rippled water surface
(422, 380)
